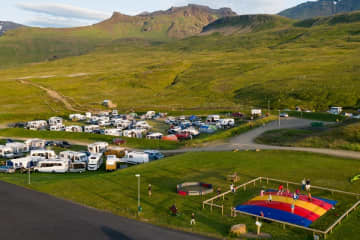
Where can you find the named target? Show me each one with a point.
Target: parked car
(284, 115)
(154, 155)
(183, 136)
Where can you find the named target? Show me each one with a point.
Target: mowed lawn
(117, 192)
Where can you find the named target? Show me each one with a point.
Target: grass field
(117, 192)
(311, 67)
(345, 136)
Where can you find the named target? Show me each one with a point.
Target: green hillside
(289, 64)
(26, 45)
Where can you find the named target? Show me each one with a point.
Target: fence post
(203, 205)
(212, 202)
(222, 210)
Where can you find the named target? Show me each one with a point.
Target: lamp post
(279, 119)
(139, 206)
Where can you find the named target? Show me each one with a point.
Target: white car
(284, 115)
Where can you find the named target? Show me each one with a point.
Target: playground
(287, 203)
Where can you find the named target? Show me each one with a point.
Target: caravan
(136, 158)
(52, 166)
(43, 154)
(91, 128)
(98, 147)
(95, 161)
(37, 125)
(213, 119)
(77, 167)
(116, 132)
(57, 128)
(26, 162)
(34, 144)
(55, 121)
(74, 156)
(6, 152)
(74, 128)
(226, 123)
(19, 149)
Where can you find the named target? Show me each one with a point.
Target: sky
(70, 13)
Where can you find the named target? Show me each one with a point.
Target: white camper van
(116, 132)
(57, 128)
(18, 148)
(74, 156)
(74, 128)
(98, 147)
(77, 167)
(55, 121)
(52, 166)
(6, 152)
(26, 162)
(95, 161)
(37, 125)
(135, 158)
(34, 144)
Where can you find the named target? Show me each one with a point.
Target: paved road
(26, 214)
(246, 141)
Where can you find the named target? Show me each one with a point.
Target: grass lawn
(117, 192)
(345, 137)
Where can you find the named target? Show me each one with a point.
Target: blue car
(154, 155)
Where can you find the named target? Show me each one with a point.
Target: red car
(238, 115)
(183, 136)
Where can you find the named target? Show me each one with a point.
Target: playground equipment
(355, 178)
(194, 189)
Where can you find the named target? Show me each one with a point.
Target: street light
(139, 206)
(279, 119)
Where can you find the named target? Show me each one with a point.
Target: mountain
(246, 24)
(176, 22)
(5, 26)
(321, 8)
(25, 45)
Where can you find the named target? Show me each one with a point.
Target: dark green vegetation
(321, 8)
(276, 60)
(325, 117)
(117, 192)
(345, 137)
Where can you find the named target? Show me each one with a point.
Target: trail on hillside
(52, 94)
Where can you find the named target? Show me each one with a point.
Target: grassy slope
(116, 192)
(346, 137)
(290, 66)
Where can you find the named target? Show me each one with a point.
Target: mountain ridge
(7, 25)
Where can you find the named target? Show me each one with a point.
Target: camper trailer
(6, 152)
(26, 162)
(192, 131)
(155, 136)
(142, 125)
(43, 154)
(335, 110)
(77, 117)
(256, 112)
(136, 158)
(91, 128)
(57, 128)
(73, 156)
(74, 128)
(150, 114)
(37, 125)
(213, 119)
(116, 132)
(53, 121)
(34, 144)
(88, 115)
(134, 133)
(95, 161)
(123, 124)
(98, 147)
(77, 167)
(52, 166)
(226, 123)
(18, 148)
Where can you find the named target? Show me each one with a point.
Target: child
(303, 183)
(150, 190)
(270, 198)
(232, 188)
(262, 193)
(293, 208)
(281, 188)
(192, 221)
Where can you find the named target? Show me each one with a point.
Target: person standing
(192, 221)
(303, 183)
(232, 188)
(150, 190)
(293, 207)
(270, 198)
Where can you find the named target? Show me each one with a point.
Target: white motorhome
(77, 167)
(43, 154)
(335, 110)
(73, 156)
(6, 152)
(142, 125)
(55, 121)
(114, 112)
(26, 162)
(34, 144)
(74, 128)
(155, 136)
(136, 157)
(192, 131)
(37, 125)
(120, 123)
(52, 166)
(91, 128)
(104, 123)
(95, 161)
(98, 147)
(88, 115)
(116, 132)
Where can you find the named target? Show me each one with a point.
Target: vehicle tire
(53, 172)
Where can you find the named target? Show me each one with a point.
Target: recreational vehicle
(43, 154)
(256, 112)
(226, 123)
(335, 110)
(154, 154)
(74, 156)
(192, 131)
(6, 152)
(77, 167)
(155, 136)
(55, 121)
(77, 117)
(213, 119)
(18, 148)
(136, 158)
(88, 115)
(52, 166)
(34, 144)
(98, 147)
(74, 128)
(37, 125)
(134, 133)
(111, 163)
(116, 132)
(95, 161)
(26, 162)
(150, 114)
(142, 125)
(91, 128)
(57, 128)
